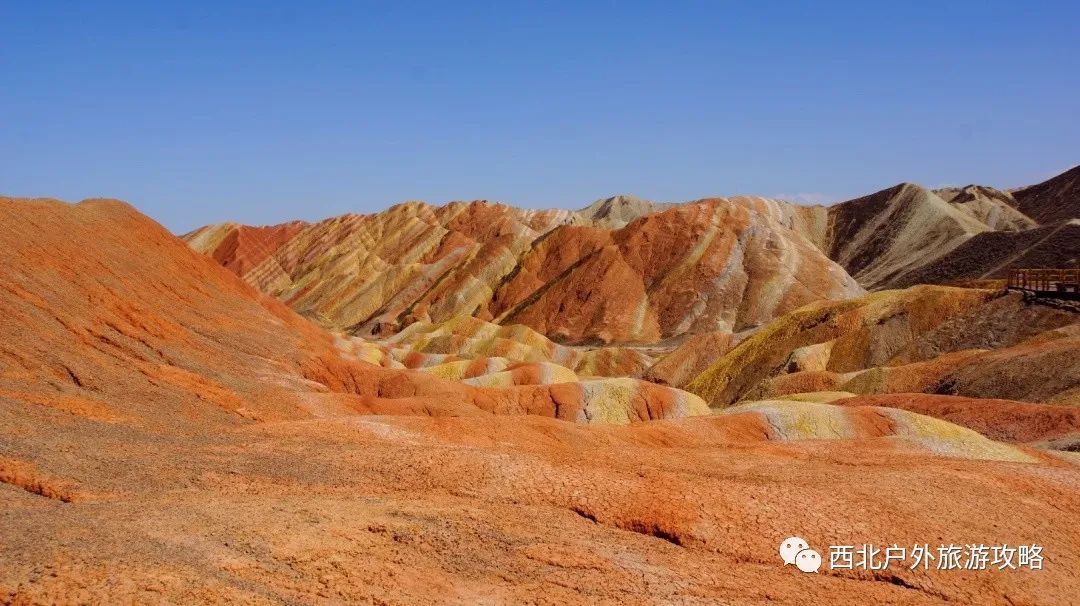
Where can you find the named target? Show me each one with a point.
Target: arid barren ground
(470, 404)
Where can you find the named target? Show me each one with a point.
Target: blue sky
(262, 112)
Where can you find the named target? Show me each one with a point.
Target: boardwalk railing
(1047, 282)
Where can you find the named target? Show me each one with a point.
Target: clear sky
(261, 112)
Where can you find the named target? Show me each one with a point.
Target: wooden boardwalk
(1052, 283)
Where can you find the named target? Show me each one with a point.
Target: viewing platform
(1051, 283)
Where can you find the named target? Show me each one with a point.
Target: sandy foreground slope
(167, 434)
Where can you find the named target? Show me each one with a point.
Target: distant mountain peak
(619, 210)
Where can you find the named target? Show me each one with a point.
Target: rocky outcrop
(968, 342)
(690, 358)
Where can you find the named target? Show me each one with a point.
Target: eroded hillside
(716, 264)
(170, 434)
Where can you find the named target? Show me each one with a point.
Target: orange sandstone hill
(144, 302)
(577, 277)
(169, 434)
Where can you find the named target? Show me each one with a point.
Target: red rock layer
(1006, 420)
(242, 247)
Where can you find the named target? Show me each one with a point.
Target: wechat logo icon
(795, 550)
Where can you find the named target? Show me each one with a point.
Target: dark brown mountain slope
(881, 237)
(990, 255)
(1056, 199)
